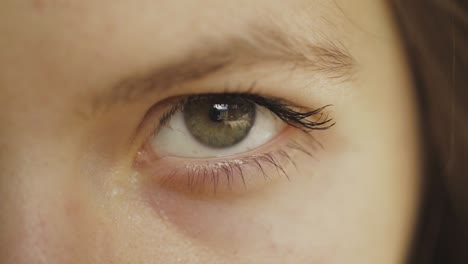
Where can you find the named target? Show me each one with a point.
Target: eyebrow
(327, 57)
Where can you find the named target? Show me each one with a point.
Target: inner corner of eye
(215, 127)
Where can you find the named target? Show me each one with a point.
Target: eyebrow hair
(327, 57)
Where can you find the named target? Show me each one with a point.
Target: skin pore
(82, 88)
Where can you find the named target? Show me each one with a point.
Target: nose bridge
(39, 209)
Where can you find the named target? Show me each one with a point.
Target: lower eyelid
(239, 173)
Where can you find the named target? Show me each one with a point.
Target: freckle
(110, 28)
(39, 4)
(73, 209)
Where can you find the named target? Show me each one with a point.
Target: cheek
(211, 222)
(283, 221)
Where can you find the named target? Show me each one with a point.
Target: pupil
(219, 121)
(218, 112)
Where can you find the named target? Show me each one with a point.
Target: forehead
(178, 22)
(88, 44)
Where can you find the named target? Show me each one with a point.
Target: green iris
(219, 121)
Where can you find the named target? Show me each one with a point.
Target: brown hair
(435, 34)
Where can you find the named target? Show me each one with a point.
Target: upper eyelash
(286, 112)
(281, 108)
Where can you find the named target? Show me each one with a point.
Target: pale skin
(69, 188)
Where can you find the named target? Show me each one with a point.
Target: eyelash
(282, 109)
(212, 173)
(197, 177)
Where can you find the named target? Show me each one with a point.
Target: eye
(227, 142)
(216, 126)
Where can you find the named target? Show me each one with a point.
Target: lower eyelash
(235, 174)
(232, 171)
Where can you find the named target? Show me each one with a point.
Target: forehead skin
(116, 32)
(65, 193)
